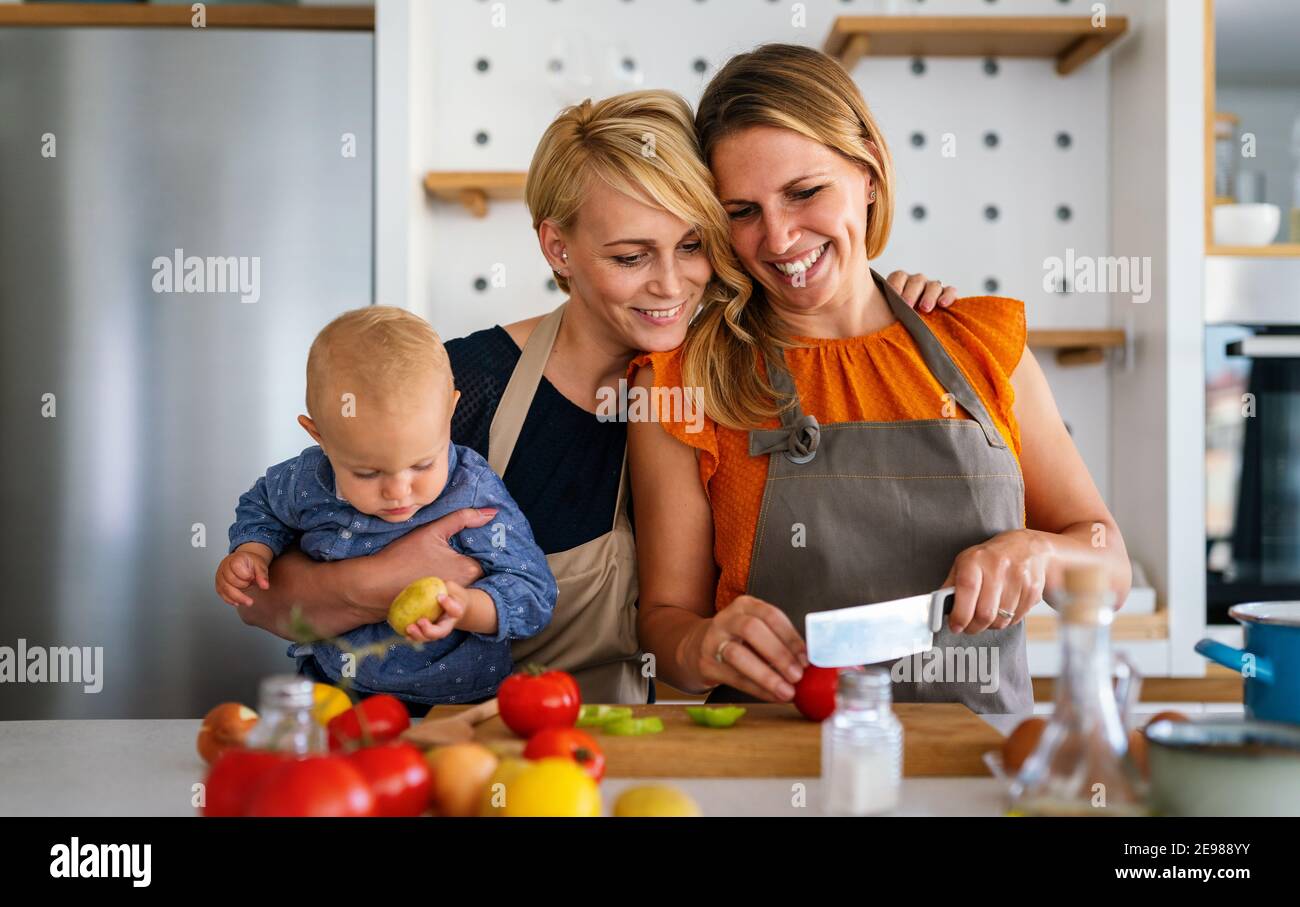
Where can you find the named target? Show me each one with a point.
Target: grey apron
(861, 512)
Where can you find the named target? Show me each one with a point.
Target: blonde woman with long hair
(627, 218)
(855, 451)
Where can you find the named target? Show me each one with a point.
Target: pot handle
(1239, 660)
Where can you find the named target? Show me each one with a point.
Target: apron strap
(518, 395)
(799, 434)
(940, 363)
(517, 399)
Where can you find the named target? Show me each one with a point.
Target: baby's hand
(243, 566)
(453, 601)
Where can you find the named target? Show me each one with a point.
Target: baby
(380, 396)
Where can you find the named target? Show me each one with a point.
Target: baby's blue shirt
(298, 501)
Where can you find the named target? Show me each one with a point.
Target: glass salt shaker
(286, 724)
(862, 747)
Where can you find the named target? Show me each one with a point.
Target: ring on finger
(1003, 612)
(717, 656)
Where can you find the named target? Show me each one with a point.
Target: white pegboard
(496, 87)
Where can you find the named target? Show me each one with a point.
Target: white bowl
(1246, 225)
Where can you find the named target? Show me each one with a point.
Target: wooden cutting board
(772, 740)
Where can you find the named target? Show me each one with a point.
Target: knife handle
(940, 607)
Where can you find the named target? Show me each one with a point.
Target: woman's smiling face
(635, 266)
(798, 213)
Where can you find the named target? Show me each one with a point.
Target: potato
(417, 601)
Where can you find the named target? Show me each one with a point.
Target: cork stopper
(1086, 579)
(1089, 598)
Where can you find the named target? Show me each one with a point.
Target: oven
(1252, 433)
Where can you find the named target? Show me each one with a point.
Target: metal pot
(1224, 767)
(1270, 659)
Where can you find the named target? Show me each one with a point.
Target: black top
(565, 468)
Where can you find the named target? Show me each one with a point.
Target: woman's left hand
(1005, 574)
(920, 292)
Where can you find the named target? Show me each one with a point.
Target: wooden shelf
(141, 15)
(1130, 627)
(1078, 346)
(473, 189)
(1276, 250)
(1218, 685)
(1070, 40)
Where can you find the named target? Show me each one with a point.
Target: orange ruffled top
(879, 377)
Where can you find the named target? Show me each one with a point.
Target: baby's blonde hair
(380, 350)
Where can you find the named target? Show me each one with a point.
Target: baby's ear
(310, 427)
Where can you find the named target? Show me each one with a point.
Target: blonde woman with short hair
(626, 216)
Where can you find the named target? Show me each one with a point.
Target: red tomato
(568, 743)
(814, 694)
(234, 777)
(573, 685)
(385, 718)
(398, 777)
(316, 786)
(535, 699)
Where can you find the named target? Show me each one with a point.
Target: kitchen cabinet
(1252, 79)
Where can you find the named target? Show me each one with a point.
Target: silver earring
(873, 195)
(564, 255)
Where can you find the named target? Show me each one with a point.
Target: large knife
(870, 634)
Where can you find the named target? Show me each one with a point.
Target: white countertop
(149, 768)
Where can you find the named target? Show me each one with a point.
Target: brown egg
(225, 726)
(1170, 715)
(461, 773)
(1137, 751)
(1020, 743)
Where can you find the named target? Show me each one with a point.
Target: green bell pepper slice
(635, 727)
(715, 716)
(601, 715)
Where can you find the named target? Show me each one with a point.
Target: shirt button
(346, 533)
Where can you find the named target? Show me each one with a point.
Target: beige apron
(883, 510)
(592, 633)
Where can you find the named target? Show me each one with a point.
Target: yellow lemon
(552, 787)
(496, 793)
(655, 800)
(328, 701)
(416, 601)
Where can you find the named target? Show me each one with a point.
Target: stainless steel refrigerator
(133, 417)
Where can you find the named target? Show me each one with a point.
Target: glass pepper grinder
(286, 724)
(1081, 766)
(862, 747)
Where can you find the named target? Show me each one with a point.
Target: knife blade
(870, 634)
